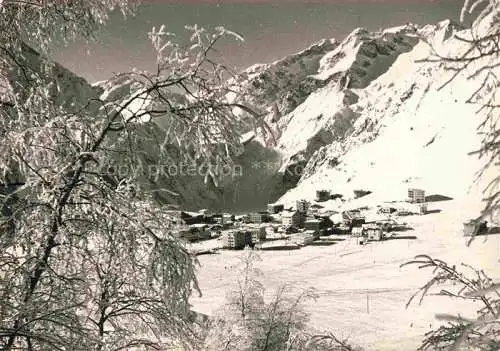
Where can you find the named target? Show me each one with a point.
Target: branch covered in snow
(249, 321)
(481, 333)
(479, 59)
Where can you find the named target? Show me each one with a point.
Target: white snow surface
(362, 290)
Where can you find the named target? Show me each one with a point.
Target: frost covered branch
(481, 333)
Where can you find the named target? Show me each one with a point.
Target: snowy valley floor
(363, 291)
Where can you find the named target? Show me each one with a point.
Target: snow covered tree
(478, 60)
(249, 321)
(459, 333)
(88, 260)
(481, 59)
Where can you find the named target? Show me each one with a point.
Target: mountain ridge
(325, 103)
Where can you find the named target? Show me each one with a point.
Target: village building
(259, 217)
(237, 239)
(223, 218)
(215, 229)
(217, 219)
(295, 219)
(340, 229)
(416, 195)
(473, 227)
(302, 206)
(304, 238)
(228, 225)
(240, 218)
(422, 208)
(374, 233)
(353, 218)
(275, 208)
(192, 217)
(386, 225)
(357, 232)
(288, 219)
(313, 233)
(387, 210)
(203, 231)
(336, 196)
(313, 224)
(325, 221)
(205, 212)
(258, 234)
(195, 232)
(259, 231)
(291, 230)
(315, 208)
(322, 195)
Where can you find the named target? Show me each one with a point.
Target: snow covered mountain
(374, 115)
(364, 113)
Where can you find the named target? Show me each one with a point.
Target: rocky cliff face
(285, 83)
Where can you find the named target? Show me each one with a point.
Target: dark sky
(272, 29)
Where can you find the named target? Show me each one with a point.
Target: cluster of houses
(306, 222)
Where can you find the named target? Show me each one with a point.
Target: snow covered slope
(387, 123)
(286, 82)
